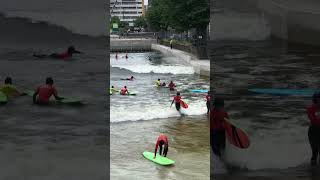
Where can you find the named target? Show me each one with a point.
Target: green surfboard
(3, 98)
(159, 159)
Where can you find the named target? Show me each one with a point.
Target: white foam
(136, 112)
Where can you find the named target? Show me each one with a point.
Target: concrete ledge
(122, 45)
(201, 67)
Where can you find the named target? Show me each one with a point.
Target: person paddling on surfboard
(65, 55)
(217, 119)
(314, 128)
(208, 102)
(124, 91)
(44, 92)
(9, 90)
(130, 78)
(171, 86)
(177, 100)
(163, 143)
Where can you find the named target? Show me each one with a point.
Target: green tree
(140, 22)
(157, 15)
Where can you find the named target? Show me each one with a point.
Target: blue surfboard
(284, 92)
(199, 90)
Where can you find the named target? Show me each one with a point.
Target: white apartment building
(127, 10)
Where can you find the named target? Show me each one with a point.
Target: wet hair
(131, 76)
(158, 79)
(178, 93)
(218, 102)
(112, 86)
(315, 97)
(49, 80)
(8, 80)
(125, 86)
(71, 49)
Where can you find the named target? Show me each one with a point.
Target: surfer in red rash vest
(44, 93)
(124, 91)
(177, 99)
(171, 86)
(314, 128)
(208, 99)
(67, 54)
(217, 119)
(162, 141)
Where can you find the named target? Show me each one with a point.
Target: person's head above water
(178, 93)
(71, 49)
(49, 81)
(158, 79)
(132, 77)
(8, 80)
(218, 102)
(125, 87)
(112, 86)
(316, 98)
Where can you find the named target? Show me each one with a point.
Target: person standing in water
(171, 43)
(177, 100)
(217, 130)
(44, 93)
(9, 90)
(158, 83)
(208, 102)
(314, 128)
(163, 143)
(67, 54)
(171, 86)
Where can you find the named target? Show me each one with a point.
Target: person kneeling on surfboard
(124, 91)
(171, 86)
(162, 141)
(217, 119)
(44, 93)
(314, 128)
(208, 99)
(8, 89)
(67, 54)
(177, 100)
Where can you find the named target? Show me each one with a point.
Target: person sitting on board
(162, 141)
(9, 90)
(67, 54)
(124, 91)
(130, 78)
(44, 92)
(314, 128)
(158, 83)
(171, 86)
(217, 130)
(113, 89)
(208, 102)
(177, 100)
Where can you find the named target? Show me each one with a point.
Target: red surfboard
(236, 136)
(183, 104)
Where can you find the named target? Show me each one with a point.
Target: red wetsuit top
(163, 138)
(314, 114)
(177, 99)
(217, 118)
(123, 91)
(208, 98)
(171, 86)
(45, 92)
(64, 55)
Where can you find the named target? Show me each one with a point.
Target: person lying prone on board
(163, 143)
(67, 54)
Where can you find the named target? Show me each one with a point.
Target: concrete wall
(123, 45)
(201, 67)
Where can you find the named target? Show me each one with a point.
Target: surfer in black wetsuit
(67, 54)
(217, 129)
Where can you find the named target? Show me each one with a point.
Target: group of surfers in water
(41, 95)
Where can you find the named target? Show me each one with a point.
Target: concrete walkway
(201, 67)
